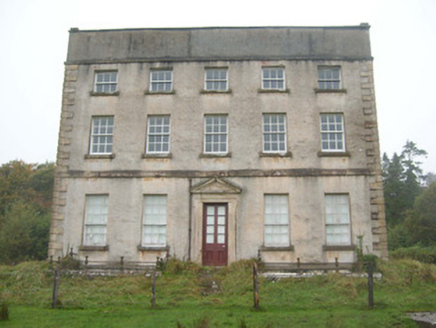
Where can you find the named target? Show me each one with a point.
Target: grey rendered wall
(305, 176)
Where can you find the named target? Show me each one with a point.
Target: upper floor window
(102, 132)
(96, 215)
(274, 133)
(329, 78)
(158, 135)
(106, 82)
(332, 133)
(337, 220)
(161, 80)
(215, 134)
(273, 78)
(276, 230)
(216, 79)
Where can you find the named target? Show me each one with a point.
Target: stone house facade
(219, 144)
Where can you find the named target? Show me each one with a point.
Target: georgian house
(219, 144)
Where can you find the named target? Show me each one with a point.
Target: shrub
(417, 253)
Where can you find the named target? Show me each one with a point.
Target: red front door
(215, 234)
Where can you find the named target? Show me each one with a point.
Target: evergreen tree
(402, 178)
(420, 223)
(393, 180)
(412, 172)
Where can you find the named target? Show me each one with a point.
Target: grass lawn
(184, 298)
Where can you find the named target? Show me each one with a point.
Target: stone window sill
(104, 94)
(97, 156)
(153, 249)
(287, 154)
(338, 247)
(157, 156)
(277, 249)
(152, 93)
(212, 155)
(273, 91)
(94, 248)
(215, 92)
(334, 154)
(330, 90)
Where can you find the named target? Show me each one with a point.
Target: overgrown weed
(405, 285)
(406, 272)
(237, 278)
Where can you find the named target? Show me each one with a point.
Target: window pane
(276, 220)
(96, 214)
(158, 136)
(274, 137)
(105, 82)
(216, 79)
(161, 81)
(332, 132)
(273, 78)
(329, 77)
(215, 134)
(101, 135)
(337, 220)
(154, 220)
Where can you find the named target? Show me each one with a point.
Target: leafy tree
(14, 184)
(31, 183)
(42, 183)
(25, 200)
(23, 234)
(420, 223)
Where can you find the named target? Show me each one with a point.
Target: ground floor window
(96, 214)
(337, 220)
(276, 221)
(154, 231)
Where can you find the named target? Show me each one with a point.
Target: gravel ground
(426, 319)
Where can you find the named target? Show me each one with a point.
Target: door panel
(215, 234)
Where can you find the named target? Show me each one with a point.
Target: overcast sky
(34, 37)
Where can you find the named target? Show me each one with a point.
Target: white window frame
(106, 82)
(101, 135)
(329, 78)
(154, 221)
(337, 220)
(96, 218)
(160, 133)
(216, 134)
(213, 83)
(276, 220)
(156, 82)
(332, 132)
(272, 128)
(268, 81)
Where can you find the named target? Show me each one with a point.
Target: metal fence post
(153, 290)
(370, 285)
(56, 285)
(255, 287)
